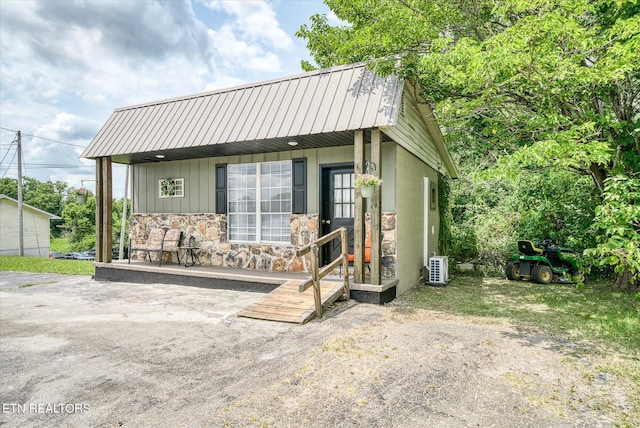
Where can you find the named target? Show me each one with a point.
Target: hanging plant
(82, 194)
(365, 180)
(367, 184)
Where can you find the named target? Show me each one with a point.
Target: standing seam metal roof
(332, 100)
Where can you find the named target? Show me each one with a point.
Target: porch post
(358, 217)
(104, 215)
(376, 212)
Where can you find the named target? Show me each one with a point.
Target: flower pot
(367, 191)
(81, 199)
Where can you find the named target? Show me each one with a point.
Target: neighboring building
(36, 230)
(256, 171)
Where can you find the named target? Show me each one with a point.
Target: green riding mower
(543, 265)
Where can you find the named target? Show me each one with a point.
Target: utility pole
(20, 227)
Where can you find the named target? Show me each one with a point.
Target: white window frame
(258, 212)
(178, 188)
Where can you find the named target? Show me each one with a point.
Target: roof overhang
(301, 142)
(429, 119)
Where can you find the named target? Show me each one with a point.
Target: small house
(256, 171)
(36, 229)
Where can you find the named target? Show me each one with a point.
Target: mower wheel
(542, 274)
(513, 271)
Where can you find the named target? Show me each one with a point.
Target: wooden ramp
(287, 304)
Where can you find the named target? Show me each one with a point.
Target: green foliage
(47, 196)
(444, 205)
(558, 205)
(78, 219)
(80, 223)
(46, 265)
(545, 92)
(60, 245)
(618, 223)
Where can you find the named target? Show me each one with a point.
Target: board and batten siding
(410, 173)
(199, 178)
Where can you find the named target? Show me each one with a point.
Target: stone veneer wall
(210, 231)
(388, 244)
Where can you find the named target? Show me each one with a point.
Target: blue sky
(65, 65)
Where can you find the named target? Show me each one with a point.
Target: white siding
(35, 228)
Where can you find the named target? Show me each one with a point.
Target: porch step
(287, 304)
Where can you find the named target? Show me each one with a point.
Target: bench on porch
(159, 241)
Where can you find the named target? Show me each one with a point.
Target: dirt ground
(75, 352)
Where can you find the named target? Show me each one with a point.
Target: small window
(171, 187)
(434, 195)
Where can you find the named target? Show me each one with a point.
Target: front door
(337, 207)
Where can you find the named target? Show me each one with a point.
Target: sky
(65, 65)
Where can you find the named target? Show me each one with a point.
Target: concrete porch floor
(227, 278)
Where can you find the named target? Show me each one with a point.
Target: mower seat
(529, 249)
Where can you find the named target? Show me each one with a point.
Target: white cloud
(256, 21)
(65, 65)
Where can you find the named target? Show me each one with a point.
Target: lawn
(596, 312)
(46, 265)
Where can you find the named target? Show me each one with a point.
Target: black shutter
(299, 186)
(221, 188)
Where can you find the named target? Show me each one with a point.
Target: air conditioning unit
(438, 270)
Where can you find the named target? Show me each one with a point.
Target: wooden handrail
(317, 274)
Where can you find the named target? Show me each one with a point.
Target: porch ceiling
(333, 139)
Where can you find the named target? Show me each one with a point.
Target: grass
(601, 321)
(596, 313)
(46, 265)
(60, 244)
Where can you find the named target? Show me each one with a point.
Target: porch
(230, 279)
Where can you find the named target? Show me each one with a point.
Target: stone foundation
(210, 232)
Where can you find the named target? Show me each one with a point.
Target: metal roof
(317, 109)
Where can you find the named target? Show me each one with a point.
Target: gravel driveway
(76, 352)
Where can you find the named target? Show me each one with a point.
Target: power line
(15, 139)
(44, 138)
(50, 166)
(10, 145)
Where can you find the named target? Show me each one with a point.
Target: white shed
(35, 229)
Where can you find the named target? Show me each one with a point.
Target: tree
(618, 221)
(543, 85)
(80, 222)
(48, 196)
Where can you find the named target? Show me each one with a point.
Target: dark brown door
(337, 206)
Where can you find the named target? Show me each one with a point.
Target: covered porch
(206, 276)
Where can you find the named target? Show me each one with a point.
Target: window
(259, 202)
(171, 187)
(434, 195)
(343, 196)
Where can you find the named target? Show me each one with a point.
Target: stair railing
(318, 273)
